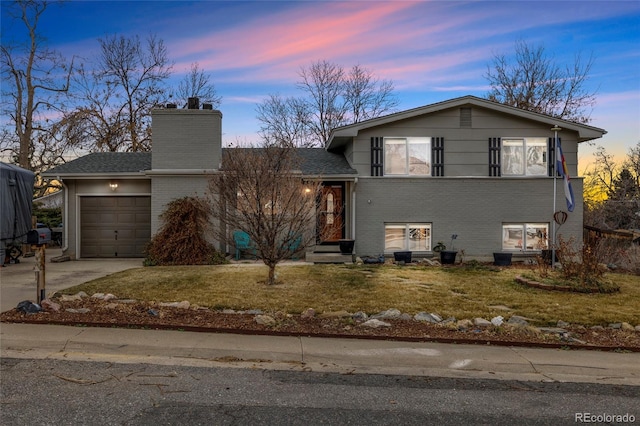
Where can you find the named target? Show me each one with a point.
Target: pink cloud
(342, 32)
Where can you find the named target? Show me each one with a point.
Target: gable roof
(341, 135)
(315, 162)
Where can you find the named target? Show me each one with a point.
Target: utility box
(39, 236)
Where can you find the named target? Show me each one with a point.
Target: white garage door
(114, 226)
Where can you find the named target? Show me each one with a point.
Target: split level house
(406, 181)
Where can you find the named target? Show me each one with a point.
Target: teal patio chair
(292, 245)
(242, 242)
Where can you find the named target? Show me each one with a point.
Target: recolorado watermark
(604, 418)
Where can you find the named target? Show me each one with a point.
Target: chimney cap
(193, 103)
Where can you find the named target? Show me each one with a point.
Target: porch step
(316, 257)
(325, 248)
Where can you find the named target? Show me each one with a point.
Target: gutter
(180, 172)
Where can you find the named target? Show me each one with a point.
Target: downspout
(66, 215)
(353, 211)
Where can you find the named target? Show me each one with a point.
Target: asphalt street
(57, 392)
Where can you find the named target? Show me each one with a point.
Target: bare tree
(331, 97)
(612, 191)
(262, 192)
(36, 81)
(366, 96)
(197, 84)
(534, 82)
(323, 84)
(284, 122)
(119, 93)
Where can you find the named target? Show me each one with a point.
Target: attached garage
(114, 226)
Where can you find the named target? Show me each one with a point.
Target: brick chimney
(186, 138)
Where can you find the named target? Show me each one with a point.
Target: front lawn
(458, 292)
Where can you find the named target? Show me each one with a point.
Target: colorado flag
(561, 165)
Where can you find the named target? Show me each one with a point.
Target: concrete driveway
(18, 281)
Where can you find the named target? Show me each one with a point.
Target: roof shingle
(315, 161)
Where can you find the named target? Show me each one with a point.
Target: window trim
(526, 140)
(522, 227)
(427, 140)
(406, 244)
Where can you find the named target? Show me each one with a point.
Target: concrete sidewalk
(17, 283)
(346, 356)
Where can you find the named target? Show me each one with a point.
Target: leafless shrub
(181, 240)
(580, 264)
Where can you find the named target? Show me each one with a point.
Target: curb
(491, 342)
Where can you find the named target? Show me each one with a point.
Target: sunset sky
(431, 50)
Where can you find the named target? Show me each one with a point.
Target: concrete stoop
(329, 257)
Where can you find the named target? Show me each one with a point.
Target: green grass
(450, 292)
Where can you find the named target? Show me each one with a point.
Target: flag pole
(555, 129)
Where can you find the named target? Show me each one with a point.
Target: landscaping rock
(518, 320)
(28, 307)
(562, 324)
(282, 315)
(627, 327)
(228, 311)
(388, 314)
(616, 326)
(111, 306)
(637, 327)
(98, 296)
(464, 324)
(70, 298)
(405, 317)
(184, 305)
(360, 316)
(108, 297)
(427, 317)
(49, 305)
(376, 323)
(308, 313)
(497, 321)
(481, 322)
(449, 321)
(264, 320)
(127, 301)
(253, 312)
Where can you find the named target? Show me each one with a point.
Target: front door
(331, 213)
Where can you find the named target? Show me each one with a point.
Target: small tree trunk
(272, 274)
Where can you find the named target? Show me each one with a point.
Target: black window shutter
(437, 156)
(377, 161)
(551, 164)
(494, 157)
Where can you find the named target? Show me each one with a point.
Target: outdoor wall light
(113, 186)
